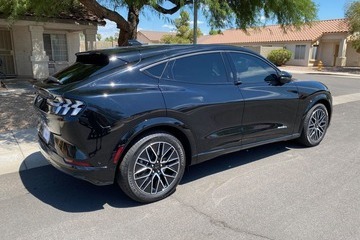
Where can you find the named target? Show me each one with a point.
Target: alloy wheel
(317, 125)
(156, 167)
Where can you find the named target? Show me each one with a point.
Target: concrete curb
(320, 72)
(19, 151)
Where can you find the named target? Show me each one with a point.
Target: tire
(315, 125)
(152, 168)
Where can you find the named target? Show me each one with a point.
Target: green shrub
(280, 56)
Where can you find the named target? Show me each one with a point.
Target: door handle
(237, 82)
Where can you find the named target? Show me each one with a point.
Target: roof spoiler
(92, 58)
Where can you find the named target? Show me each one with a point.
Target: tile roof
(155, 36)
(275, 33)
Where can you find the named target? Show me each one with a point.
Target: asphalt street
(277, 191)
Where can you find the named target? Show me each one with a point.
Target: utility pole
(195, 21)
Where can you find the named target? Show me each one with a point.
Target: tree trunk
(103, 12)
(133, 21)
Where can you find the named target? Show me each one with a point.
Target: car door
(197, 92)
(270, 106)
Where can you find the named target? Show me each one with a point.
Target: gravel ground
(16, 109)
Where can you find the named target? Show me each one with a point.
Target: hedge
(280, 56)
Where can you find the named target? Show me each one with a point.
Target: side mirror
(285, 77)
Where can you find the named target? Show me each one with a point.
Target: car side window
(250, 69)
(157, 70)
(207, 68)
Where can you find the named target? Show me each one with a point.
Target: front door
(6, 53)
(270, 107)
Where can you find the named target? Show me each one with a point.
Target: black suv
(139, 115)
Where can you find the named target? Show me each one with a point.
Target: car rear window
(86, 65)
(76, 72)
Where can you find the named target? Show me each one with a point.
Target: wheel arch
(328, 106)
(323, 98)
(167, 125)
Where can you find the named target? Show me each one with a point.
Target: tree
(220, 14)
(98, 37)
(184, 34)
(353, 15)
(214, 32)
(111, 39)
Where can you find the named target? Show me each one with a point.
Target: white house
(35, 48)
(327, 41)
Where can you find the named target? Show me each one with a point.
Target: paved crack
(219, 223)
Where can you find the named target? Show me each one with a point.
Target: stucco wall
(298, 62)
(25, 34)
(352, 57)
(73, 39)
(267, 47)
(22, 50)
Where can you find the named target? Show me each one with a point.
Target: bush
(280, 56)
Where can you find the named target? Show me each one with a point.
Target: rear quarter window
(156, 71)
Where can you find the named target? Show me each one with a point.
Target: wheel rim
(317, 125)
(156, 168)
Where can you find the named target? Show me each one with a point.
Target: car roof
(136, 53)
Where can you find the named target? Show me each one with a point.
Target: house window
(314, 51)
(56, 47)
(300, 52)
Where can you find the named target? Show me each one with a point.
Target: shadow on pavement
(69, 194)
(233, 160)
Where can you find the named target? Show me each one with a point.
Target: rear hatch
(89, 66)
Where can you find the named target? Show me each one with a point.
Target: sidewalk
(18, 135)
(19, 151)
(339, 71)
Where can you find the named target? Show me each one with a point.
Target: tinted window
(156, 70)
(202, 68)
(76, 72)
(86, 66)
(250, 69)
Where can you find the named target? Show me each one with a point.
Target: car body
(134, 106)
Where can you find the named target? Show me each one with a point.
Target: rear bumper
(95, 175)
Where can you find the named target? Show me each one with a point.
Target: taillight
(63, 106)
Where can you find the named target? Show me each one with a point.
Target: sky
(327, 9)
